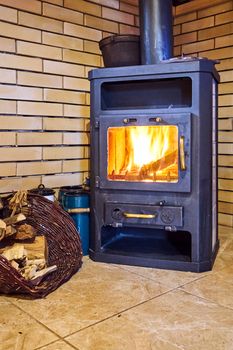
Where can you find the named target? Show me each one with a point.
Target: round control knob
(117, 214)
(167, 216)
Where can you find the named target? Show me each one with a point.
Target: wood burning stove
(153, 165)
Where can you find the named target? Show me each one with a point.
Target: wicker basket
(64, 250)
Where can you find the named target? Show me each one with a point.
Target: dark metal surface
(155, 30)
(198, 220)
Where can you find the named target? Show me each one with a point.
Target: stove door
(145, 152)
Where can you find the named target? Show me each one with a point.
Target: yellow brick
(226, 76)
(185, 38)
(37, 79)
(185, 18)
(213, 10)
(109, 3)
(225, 184)
(176, 29)
(7, 76)
(62, 41)
(17, 123)
(116, 15)
(7, 169)
(224, 41)
(225, 64)
(218, 53)
(226, 136)
(225, 124)
(20, 153)
(75, 165)
(76, 84)
(225, 100)
(225, 160)
(226, 173)
(226, 88)
(91, 46)
(39, 138)
(128, 8)
(7, 14)
(20, 32)
(224, 18)
(55, 2)
(198, 46)
(87, 70)
(63, 152)
(76, 138)
(177, 51)
(82, 32)
(224, 112)
(132, 2)
(39, 108)
(124, 29)
(225, 148)
(215, 31)
(19, 183)
(65, 96)
(225, 208)
(62, 14)
(62, 180)
(7, 45)
(40, 22)
(226, 220)
(101, 24)
(7, 107)
(36, 168)
(225, 196)
(77, 111)
(81, 57)
(63, 68)
(83, 6)
(7, 138)
(87, 152)
(20, 93)
(197, 25)
(39, 50)
(20, 62)
(31, 6)
(88, 99)
(63, 124)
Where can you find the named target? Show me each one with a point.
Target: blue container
(77, 204)
(65, 189)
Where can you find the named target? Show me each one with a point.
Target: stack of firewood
(20, 244)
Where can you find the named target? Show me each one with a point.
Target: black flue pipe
(155, 30)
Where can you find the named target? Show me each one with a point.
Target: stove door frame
(181, 120)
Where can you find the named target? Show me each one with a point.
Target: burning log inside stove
(162, 164)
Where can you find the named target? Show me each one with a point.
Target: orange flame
(143, 153)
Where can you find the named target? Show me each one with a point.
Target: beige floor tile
(176, 320)
(58, 345)
(170, 278)
(96, 292)
(18, 331)
(217, 287)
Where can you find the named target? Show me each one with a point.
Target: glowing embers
(143, 153)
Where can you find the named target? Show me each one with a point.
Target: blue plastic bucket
(77, 204)
(65, 189)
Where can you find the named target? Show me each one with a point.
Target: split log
(39, 275)
(2, 229)
(37, 249)
(24, 232)
(10, 231)
(159, 164)
(12, 220)
(15, 252)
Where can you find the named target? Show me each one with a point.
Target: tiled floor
(110, 307)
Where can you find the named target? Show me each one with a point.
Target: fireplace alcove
(159, 209)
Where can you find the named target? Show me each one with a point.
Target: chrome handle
(182, 154)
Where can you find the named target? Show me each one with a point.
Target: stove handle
(182, 154)
(139, 216)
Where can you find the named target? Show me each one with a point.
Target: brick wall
(46, 50)
(208, 32)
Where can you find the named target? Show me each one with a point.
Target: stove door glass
(143, 153)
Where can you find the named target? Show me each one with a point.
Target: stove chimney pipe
(155, 30)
